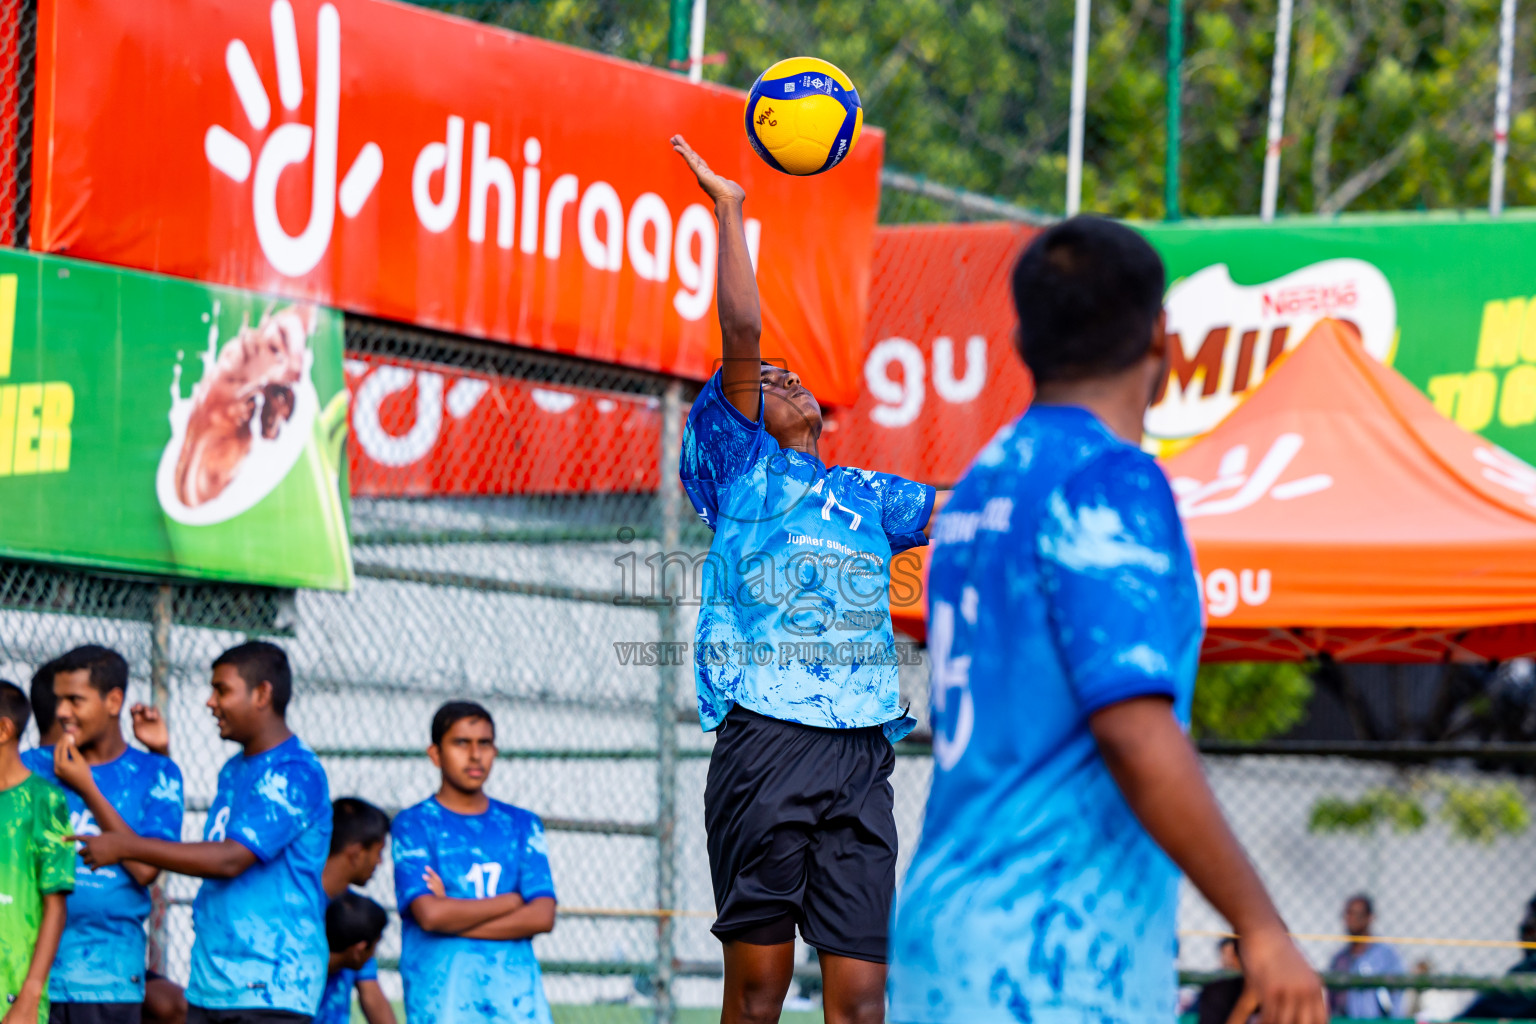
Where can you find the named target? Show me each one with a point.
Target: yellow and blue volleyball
(803, 116)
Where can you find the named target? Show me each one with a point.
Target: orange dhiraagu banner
(940, 371)
(402, 163)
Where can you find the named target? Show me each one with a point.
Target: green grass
(626, 1015)
(642, 1015)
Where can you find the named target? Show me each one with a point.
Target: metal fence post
(160, 698)
(666, 704)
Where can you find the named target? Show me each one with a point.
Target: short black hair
(1360, 897)
(352, 918)
(356, 821)
(457, 711)
(108, 669)
(1088, 292)
(44, 703)
(260, 662)
(15, 706)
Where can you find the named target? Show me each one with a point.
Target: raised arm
(1157, 770)
(741, 318)
(150, 729)
(70, 768)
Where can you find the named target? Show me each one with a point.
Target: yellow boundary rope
(1189, 932)
(1394, 939)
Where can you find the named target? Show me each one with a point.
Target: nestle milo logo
(1223, 337)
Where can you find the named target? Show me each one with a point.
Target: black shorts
(202, 1015)
(801, 831)
(94, 1013)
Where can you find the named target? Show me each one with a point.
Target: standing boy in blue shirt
(353, 926)
(473, 886)
(261, 953)
(98, 975)
(796, 666)
(358, 833)
(1064, 632)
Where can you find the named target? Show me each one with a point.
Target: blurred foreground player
(261, 952)
(473, 886)
(99, 975)
(37, 871)
(1064, 631)
(796, 666)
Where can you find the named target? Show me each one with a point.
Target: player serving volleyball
(795, 665)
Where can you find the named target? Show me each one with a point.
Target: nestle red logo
(1310, 298)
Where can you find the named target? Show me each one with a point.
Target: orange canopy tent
(1336, 512)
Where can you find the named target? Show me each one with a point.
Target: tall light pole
(1276, 111)
(1501, 108)
(1079, 108)
(1171, 209)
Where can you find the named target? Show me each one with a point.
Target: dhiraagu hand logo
(292, 142)
(35, 416)
(1223, 336)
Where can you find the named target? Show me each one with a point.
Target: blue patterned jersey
(795, 620)
(450, 979)
(336, 1001)
(261, 935)
(101, 956)
(1060, 583)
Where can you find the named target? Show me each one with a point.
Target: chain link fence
(18, 36)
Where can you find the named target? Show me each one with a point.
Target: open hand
(69, 765)
(717, 188)
(150, 729)
(1278, 984)
(101, 851)
(434, 883)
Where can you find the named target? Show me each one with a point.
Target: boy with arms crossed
(98, 976)
(798, 807)
(261, 953)
(37, 871)
(1064, 632)
(473, 886)
(358, 833)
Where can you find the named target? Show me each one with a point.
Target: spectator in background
(1512, 1005)
(1218, 999)
(1364, 958)
(44, 704)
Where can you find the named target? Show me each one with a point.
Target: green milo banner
(1449, 300)
(158, 425)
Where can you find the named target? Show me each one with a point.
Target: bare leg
(853, 991)
(756, 981)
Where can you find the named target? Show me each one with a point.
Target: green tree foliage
(1246, 702)
(1474, 812)
(1391, 100)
